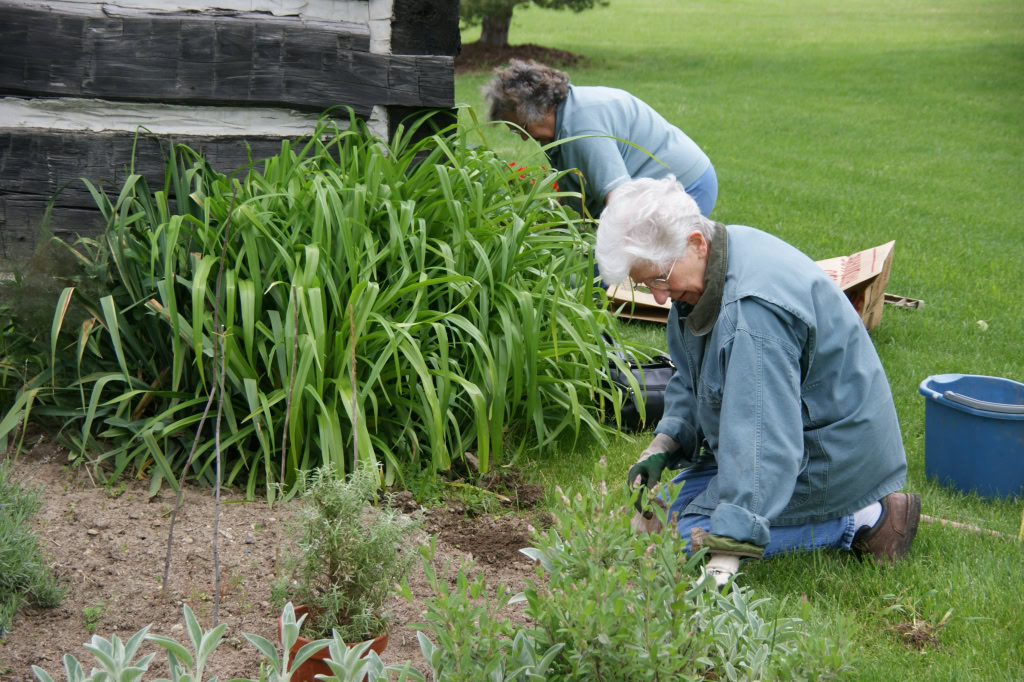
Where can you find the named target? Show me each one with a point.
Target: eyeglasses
(660, 283)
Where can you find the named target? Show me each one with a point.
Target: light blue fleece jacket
(780, 382)
(605, 162)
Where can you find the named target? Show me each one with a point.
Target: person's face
(683, 280)
(543, 131)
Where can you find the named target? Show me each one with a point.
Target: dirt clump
(511, 485)
(917, 635)
(493, 540)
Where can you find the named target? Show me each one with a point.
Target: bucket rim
(968, 404)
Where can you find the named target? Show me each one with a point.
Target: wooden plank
(20, 227)
(39, 162)
(309, 11)
(904, 302)
(78, 114)
(35, 163)
(425, 27)
(210, 59)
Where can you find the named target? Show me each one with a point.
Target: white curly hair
(646, 222)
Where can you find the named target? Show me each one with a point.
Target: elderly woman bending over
(780, 413)
(541, 101)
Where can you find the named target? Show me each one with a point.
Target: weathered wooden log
(227, 59)
(79, 78)
(34, 164)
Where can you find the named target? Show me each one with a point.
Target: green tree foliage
(495, 16)
(455, 292)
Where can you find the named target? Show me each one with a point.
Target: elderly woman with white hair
(541, 101)
(779, 413)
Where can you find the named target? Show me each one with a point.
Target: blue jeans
(704, 191)
(831, 534)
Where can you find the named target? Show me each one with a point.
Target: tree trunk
(494, 29)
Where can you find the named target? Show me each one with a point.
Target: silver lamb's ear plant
(280, 670)
(184, 667)
(356, 662)
(116, 666)
(114, 657)
(72, 670)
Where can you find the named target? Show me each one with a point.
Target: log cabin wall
(79, 79)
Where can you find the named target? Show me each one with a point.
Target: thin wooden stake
(352, 378)
(965, 526)
(181, 490)
(220, 364)
(291, 382)
(216, 503)
(206, 410)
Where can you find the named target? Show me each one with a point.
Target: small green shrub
(346, 564)
(24, 575)
(611, 605)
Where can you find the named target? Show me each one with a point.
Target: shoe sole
(861, 549)
(913, 521)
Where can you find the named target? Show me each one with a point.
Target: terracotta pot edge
(381, 639)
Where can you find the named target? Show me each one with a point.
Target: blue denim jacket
(784, 391)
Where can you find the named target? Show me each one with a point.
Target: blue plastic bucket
(974, 433)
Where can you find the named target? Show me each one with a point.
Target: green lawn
(839, 126)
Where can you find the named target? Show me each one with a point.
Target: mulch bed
(476, 57)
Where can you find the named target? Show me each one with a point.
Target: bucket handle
(983, 405)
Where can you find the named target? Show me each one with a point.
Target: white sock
(868, 516)
(722, 567)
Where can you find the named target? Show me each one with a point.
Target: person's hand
(652, 462)
(647, 521)
(722, 567)
(647, 470)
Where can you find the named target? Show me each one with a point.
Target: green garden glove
(647, 471)
(653, 461)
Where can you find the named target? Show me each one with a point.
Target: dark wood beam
(233, 60)
(35, 164)
(21, 218)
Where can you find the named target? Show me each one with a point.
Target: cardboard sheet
(862, 276)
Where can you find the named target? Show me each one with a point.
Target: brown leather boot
(889, 539)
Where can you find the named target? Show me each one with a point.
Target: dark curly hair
(525, 91)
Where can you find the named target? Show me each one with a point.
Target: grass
(838, 127)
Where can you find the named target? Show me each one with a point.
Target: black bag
(653, 377)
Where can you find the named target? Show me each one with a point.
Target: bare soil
(476, 56)
(108, 547)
